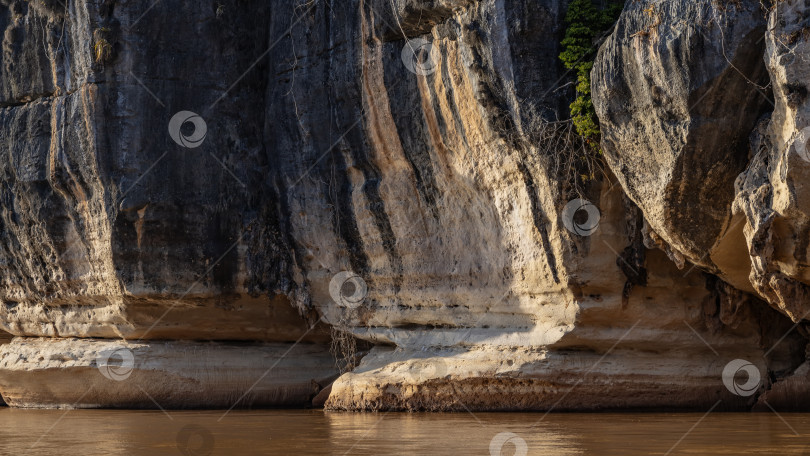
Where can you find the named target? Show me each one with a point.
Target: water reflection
(441, 434)
(306, 432)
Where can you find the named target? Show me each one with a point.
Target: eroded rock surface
(753, 233)
(92, 373)
(677, 90)
(440, 179)
(772, 193)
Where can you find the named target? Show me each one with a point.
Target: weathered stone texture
(441, 188)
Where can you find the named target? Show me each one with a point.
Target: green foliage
(585, 23)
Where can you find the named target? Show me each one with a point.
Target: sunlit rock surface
(439, 180)
(772, 193)
(688, 80)
(677, 91)
(664, 344)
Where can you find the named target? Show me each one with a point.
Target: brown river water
(305, 432)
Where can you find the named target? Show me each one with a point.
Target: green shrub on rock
(586, 24)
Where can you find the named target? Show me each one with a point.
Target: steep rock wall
(750, 233)
(677, 90)
(440, 179)
(739, 127)
(771, 192)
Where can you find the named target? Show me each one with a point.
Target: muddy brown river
(305, 432)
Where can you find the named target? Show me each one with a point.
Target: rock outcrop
(751, 234)
(771, 192)
(230, 198)
(719, 115)
(91, 373)
(677, 90)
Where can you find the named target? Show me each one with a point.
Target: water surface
(305, 432)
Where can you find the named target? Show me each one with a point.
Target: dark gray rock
(106, 216)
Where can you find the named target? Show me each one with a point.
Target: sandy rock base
(507, 379)
(91, 373)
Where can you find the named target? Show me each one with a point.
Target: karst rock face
(772, 193)
(374, 205)
(679, 87)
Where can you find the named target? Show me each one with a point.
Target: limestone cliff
(236, 204)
